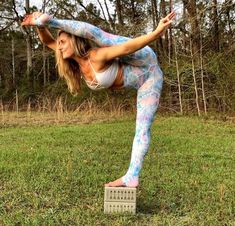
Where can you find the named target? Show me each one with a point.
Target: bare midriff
(119, 81)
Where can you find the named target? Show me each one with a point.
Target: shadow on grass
(155, 202)
(147, 206)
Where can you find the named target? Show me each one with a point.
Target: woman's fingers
(168, 23)
(171, 15)
(165, 23)
(168, 19)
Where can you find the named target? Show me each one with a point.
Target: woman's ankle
(131, 183)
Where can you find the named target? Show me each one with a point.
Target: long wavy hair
(69, 69)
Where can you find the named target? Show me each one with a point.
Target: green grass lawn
(54, 174)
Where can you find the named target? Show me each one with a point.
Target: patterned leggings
(141, 71)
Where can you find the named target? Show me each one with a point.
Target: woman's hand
(35, 19)
(165, 23)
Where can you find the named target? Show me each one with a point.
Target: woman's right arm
(46, 37)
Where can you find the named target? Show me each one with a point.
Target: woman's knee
(150, 53)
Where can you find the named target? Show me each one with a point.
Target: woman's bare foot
(119, 183)
(116, 183)
(34, 19)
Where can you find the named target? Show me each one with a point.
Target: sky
(36, 3)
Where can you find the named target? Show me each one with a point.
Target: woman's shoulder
(93, 52)
(96, 55)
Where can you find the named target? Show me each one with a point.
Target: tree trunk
(17, 102)
(178, 79)
(44, 53)
(48, 70)
(229, 7)
(163, 14)
(194, 79)
(154, 12)
(202, 75)
(13, 62)
(191, 7)
(111, 22)
(170, 39)
(215, 21)
(184, 29)
(44, 65)
(154, 17)
(29, 54)
(133, 9)
(29, 51)
(102, 9)
(119, 12)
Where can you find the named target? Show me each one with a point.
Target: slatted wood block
(119, 200)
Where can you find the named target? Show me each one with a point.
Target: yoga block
(119, 200)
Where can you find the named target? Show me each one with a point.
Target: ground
(53, 173)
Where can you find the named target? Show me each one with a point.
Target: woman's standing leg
(148, 96)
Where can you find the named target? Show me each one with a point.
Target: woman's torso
(91, 69)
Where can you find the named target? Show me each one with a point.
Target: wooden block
(119, 200)
(119, 207)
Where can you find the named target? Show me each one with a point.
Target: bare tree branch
(102, 10)
(7, 26)
(110, 18)
(9, 18)
(67, 11)
(90, 12)
(19, 19)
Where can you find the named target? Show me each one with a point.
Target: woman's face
(65, 46)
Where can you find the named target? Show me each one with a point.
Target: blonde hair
(69, 69)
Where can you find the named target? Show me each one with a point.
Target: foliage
(132, 18)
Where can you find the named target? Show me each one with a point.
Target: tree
(119, 12)
(215, 22)
(29, 47)
(191, 8)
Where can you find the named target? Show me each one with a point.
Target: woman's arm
(46, 37)
(126, 48)
(39, 19)
(132, 45)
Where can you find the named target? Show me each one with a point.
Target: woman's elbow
(51, 45)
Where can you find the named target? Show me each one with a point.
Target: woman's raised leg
(102, 38)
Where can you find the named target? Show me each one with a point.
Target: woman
(117, 62)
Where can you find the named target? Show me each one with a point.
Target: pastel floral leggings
(141, 71)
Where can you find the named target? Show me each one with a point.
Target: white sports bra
(103, 79)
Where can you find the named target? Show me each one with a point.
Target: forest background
(196, 55)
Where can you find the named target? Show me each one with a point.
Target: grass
(53, 174)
